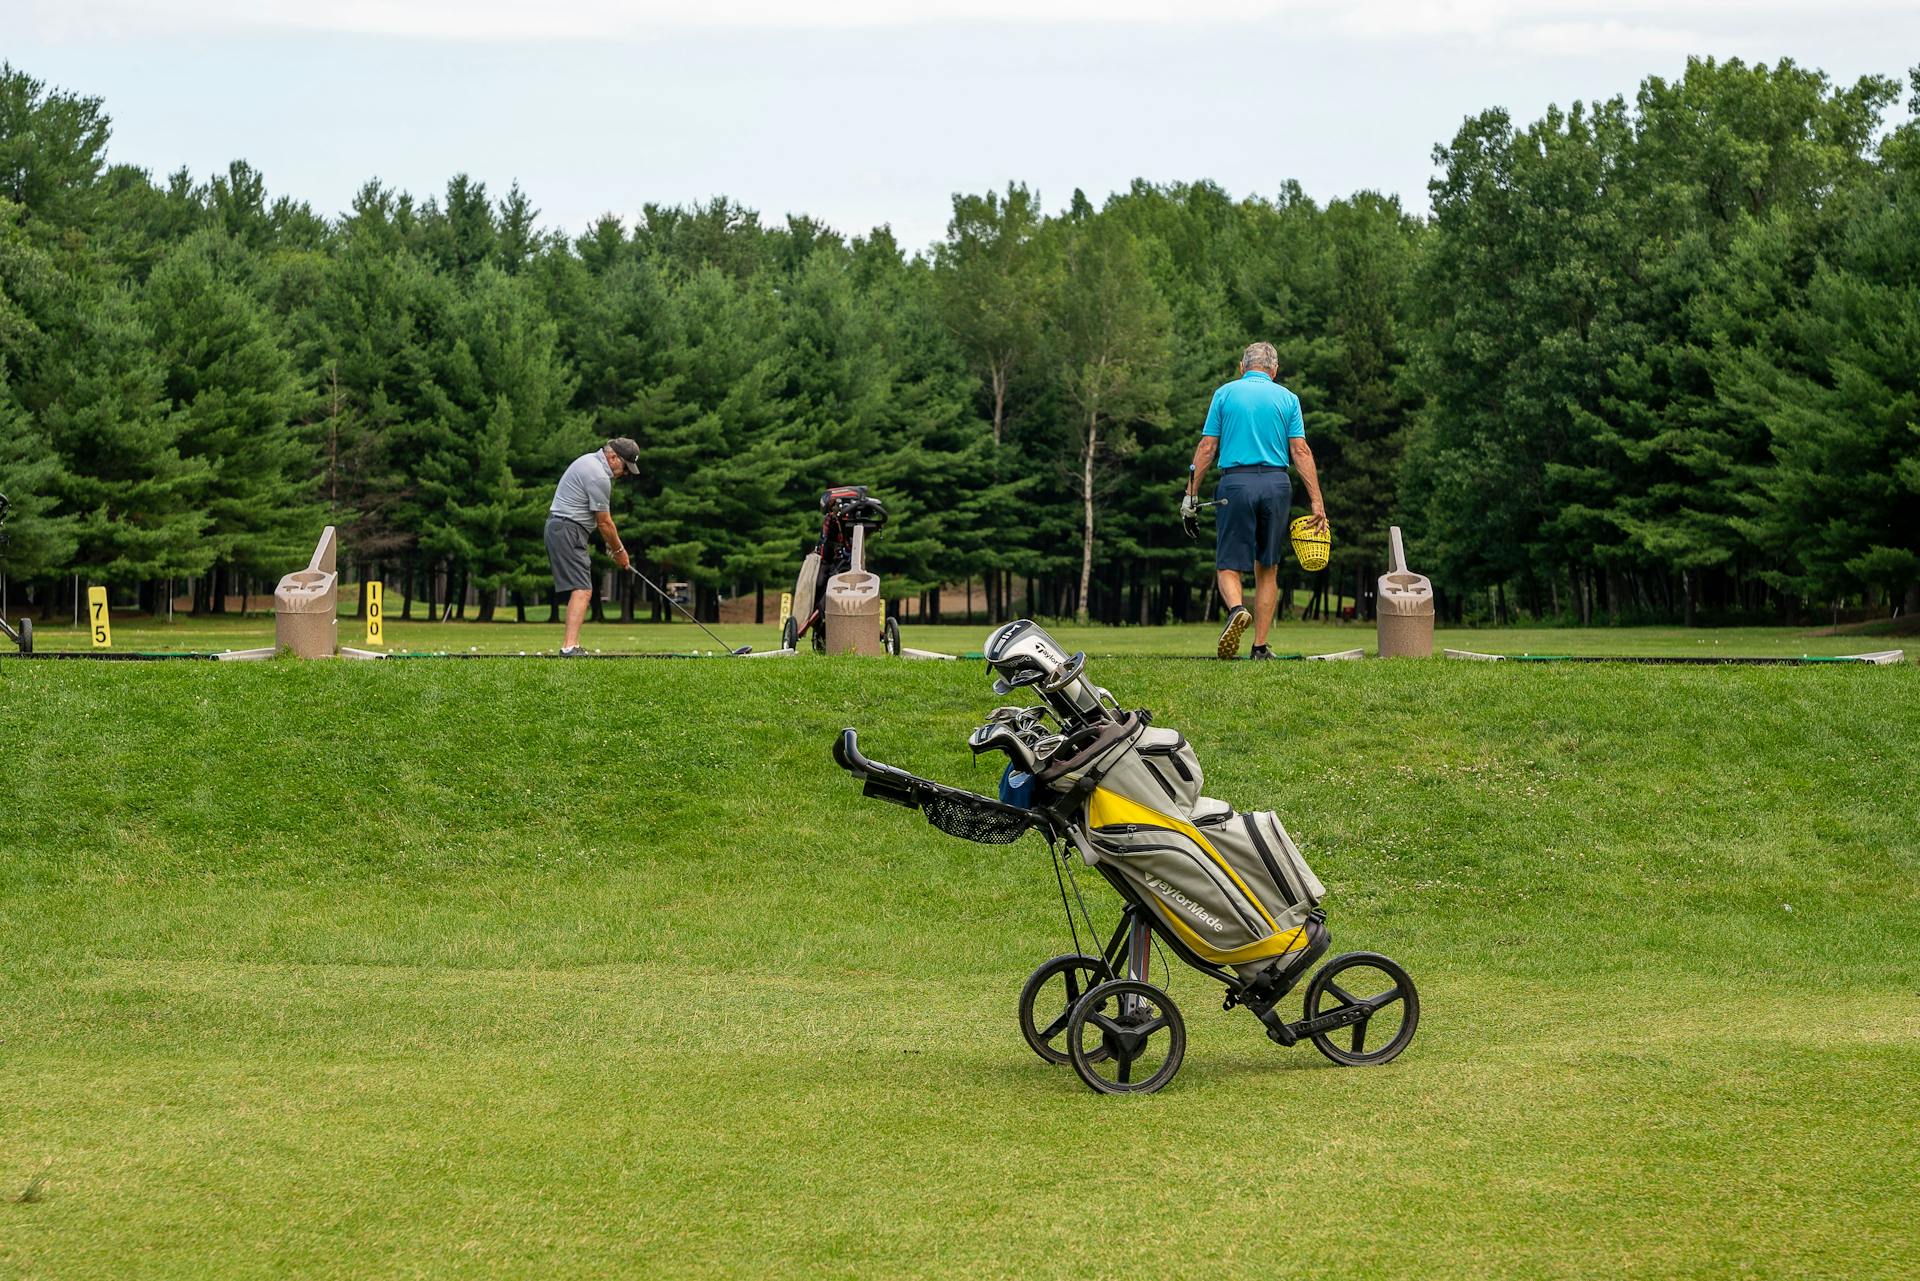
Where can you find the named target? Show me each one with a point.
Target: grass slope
(594, 969)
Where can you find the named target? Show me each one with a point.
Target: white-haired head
(1261, 356)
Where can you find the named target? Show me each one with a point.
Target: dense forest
(1647, 358)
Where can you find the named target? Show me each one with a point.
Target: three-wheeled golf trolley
(843, 509)
(1227, 893)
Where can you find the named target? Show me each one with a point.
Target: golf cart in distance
(843, 509)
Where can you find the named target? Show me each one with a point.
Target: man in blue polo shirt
(1254, 428)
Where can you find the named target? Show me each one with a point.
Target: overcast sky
(863, 112)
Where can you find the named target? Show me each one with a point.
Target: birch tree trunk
(1086, 499)
(999, 372)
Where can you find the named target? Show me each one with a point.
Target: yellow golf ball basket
(1312, 546)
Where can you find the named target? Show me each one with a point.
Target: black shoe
(1260, 651)
(1238, 619)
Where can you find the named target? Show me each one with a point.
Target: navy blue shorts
(1250, 525)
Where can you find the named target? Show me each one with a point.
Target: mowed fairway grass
(138, 634)
(602, 969)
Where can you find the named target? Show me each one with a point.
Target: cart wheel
(790, 633)
(820, 634)
(1126, 1037)
(26, 636)
(1364, 978)
(1050, 994)
(890, 637)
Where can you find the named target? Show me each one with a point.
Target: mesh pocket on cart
(975, 820)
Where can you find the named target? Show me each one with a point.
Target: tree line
(1644, 359)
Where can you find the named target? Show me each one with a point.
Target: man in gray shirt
(580, 505)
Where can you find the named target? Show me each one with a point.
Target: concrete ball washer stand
(304, 606)
(1403, 610)
(853, 610)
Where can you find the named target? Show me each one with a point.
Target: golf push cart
(1227, 893)
(843, 509)
(23, 638)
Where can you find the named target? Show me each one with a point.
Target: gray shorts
(567, 553)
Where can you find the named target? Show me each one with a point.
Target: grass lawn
(503, 969)
(1189, 640)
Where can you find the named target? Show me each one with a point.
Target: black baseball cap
(628, 453)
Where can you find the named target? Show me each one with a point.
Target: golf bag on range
(1231, 886)
(1226, 892)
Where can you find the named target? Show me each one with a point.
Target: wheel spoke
(1359, 1036)
(1125, 1075)
(1054, 1028)
(1386, 998)
(1150, 1027)
(1105, 1024)
(1346, 997)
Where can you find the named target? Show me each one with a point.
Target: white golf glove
(1190, 515)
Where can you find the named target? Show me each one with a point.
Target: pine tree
(1836, 384)
(232, 392)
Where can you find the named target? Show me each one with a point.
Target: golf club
(1191, 527)
(731, 652)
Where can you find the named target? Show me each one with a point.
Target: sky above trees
(854, 115)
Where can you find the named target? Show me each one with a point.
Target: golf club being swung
(735, 653)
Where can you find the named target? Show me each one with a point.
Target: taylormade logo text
(1165, 890)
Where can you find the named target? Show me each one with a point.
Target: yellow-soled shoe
(1238, 619)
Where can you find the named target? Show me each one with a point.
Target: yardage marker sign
(376, 620)
(97, 615)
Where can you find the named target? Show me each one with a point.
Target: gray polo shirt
(585, 487)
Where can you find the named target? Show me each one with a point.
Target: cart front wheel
(790, 633)
(890, 637)
(1376, 984)
(1126, 1037)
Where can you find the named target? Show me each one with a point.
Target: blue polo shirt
(1254, 417)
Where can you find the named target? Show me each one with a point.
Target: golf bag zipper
(1266, 856)
(1170, 750)
(1160, 778)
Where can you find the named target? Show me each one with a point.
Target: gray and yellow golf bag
(1227, 892)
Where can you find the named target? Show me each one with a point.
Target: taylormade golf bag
(1226, 892)
(1231, 886)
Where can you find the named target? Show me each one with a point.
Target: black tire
(1325, 994)
(1123, 1039)
(890, 637)
(26, 636)
(1078, 975)
(790, 633)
